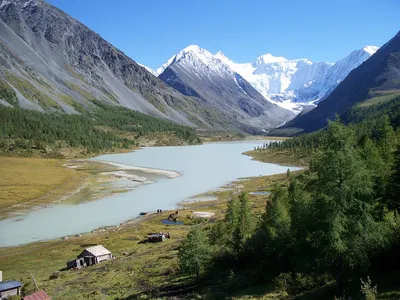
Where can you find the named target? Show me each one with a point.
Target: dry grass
(146, 267)
(380, 97)
(30, 182)
(144, 270)
(282, 157)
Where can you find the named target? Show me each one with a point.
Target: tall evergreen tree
(195, 252)
(245, 224)
(276, 223)
(342, 190)
(394, 183)
(232, 213)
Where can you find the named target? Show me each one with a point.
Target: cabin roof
(97, 250)
(41, 295)
(9, 285)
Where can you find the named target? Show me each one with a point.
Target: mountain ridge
(53, 62)
(376, 80)
(291, 84)
(196, 72)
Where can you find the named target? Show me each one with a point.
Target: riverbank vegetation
(329, 231)
(140, 270)
(326, 231)
(316, 236)
(107, 128)
(328, 227)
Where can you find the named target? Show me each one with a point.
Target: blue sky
(151, 31)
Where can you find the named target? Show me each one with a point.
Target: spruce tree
(245, 225)
(195, 252)
(345, 229)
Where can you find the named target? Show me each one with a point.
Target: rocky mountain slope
(55, 63)
(291, 84)
(196, 72)
(375, 81)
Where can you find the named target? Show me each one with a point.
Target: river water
(202, 168)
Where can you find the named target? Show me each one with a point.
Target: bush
(370, 292)
(55, 275)
(282, 282)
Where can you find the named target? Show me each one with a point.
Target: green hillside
(107, 128)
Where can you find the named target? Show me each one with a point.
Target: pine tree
(232, 213)
(345, 229)
(276, 222)
(245, 225)
(394, 183)
(195, 252)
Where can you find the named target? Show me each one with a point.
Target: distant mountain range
(290, 84)
(196, 72)
(52, 62)
(375, 81)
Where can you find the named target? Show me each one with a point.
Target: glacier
(291, 84)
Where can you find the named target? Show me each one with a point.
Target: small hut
(90, 256)
(10, 288)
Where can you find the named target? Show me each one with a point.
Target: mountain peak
(370, 49)
(194, 48)
(268, 58)
(189, 49)
(221, 56)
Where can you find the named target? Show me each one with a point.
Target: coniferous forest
(335, 224)
(106, 128)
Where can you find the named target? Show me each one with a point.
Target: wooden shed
(95, 255)
(90, 256)
(10, 288)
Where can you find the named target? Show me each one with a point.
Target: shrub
(370, 292)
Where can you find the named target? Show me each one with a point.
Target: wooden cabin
(90, 256)
(10, 288)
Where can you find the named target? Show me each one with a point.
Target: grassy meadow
(30, 182)
(140, 270)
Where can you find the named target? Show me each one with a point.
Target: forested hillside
(107, 128)
(366, 121)
(324, 229)
(376, 80)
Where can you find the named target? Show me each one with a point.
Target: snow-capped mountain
(275, 75)
(196, 72)
(294, 83)
(291, 84)
(342, 68)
